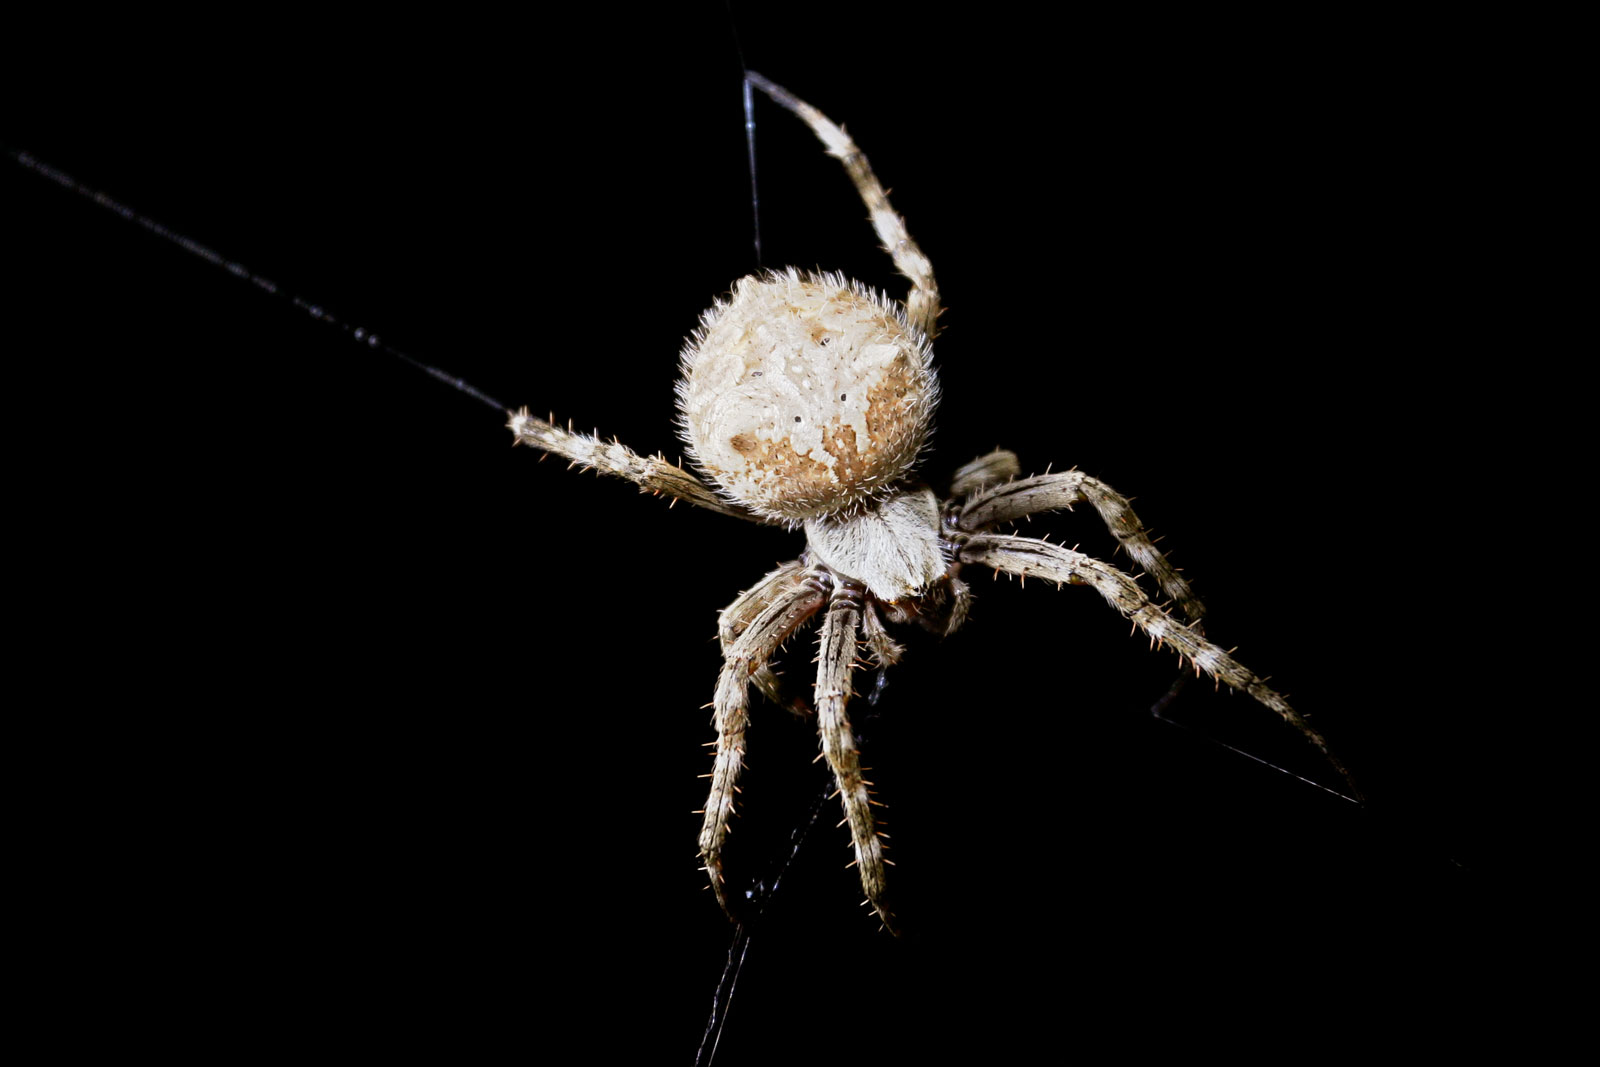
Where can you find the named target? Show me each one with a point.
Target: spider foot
(879, 683)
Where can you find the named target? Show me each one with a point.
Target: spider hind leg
(922, 303)
(652, 474)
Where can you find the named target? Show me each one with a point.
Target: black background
(411, 721)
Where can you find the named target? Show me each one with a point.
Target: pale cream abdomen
(805, 395)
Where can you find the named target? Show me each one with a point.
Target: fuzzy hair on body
(805, 401)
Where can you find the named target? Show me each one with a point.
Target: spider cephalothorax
(806, 400)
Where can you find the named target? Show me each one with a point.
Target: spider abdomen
(806, 395)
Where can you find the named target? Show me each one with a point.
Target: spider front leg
(1047, 492)
(1033, 558)
(736, 618)
(652, 474)
(747, 656)
(834, 663)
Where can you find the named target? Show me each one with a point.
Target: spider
(805, 400)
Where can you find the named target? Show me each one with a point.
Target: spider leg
(1027, 556)
(886, 651)
(737, 617)
(1047, 492)
(650, 473)
(992, 469)
(922, 303)
(838, 654)
(960, 604)
(747, 655)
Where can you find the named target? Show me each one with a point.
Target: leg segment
(922, 304)
(651, 474)
(838, 653)
(1026, 556)
(886, 651)
(993, 469)
(960, 604)
(1047, 492)
(747, 655)
(737, 617)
